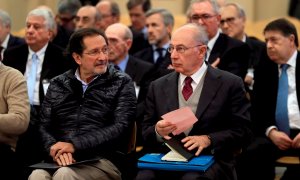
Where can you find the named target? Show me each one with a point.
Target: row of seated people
(66, 139)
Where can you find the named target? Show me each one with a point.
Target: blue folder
(153, 161)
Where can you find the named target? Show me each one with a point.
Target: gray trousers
(103, 169)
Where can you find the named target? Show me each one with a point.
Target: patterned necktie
(32, 77)
(282, 119)
(187, 90)
(160, 55)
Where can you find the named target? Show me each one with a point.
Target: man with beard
(159, 23)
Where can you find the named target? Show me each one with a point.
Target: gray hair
(200, 35)
(5, 18)
(240, 10)
(46, 14)
(168, 18)
(68, 6)
(115, 10)
(213, 3)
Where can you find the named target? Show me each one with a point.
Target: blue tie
(282, 119)
(32, 77)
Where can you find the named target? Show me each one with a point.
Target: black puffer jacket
(96, 122)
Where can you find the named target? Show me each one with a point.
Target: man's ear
(77, 58)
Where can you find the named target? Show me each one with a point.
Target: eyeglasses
(229, 20)
(180, 49)
(203, 17)
(96, 52)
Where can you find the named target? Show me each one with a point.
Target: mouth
(101, 63)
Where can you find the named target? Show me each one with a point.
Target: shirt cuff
(269, 130)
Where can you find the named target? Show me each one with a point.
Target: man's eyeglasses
(203, 17)
(229, 20)
(180, 49)
(96, 52)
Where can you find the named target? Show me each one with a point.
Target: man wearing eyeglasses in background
(233, 21)
(217, 99)
(110, 13)
(87, 113)
(66, 12)
(223, 51)
(87, 17)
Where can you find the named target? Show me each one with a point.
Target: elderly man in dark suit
(39, 61)
(223, 51)
(276, 104)
(233, 22)
(7, 40)
(217, 99)
(120, 40)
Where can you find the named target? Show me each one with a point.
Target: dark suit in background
(14, 41)
(160, 68)
(234, 55)
(222, 113)
(139, 42)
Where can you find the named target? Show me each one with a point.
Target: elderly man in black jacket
(87, 113)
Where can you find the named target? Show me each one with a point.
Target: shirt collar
(123, 63)
(212, 41)
(196, 76)
(39, 53)
(79, 79)
(292, 60)
(5, 42)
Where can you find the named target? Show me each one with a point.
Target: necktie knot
(284, 67)
(188, 80)
(160, 57)
(187, 90)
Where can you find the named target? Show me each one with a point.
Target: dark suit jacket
(138, 41)
(257, 47)
(54, 62)
(222, 111)
(14, 41)
(160, 69)
(234, 55)
(265, 93)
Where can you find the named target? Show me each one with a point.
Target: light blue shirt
(123, 63)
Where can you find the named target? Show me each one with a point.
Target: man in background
(7, 40)
(87, 17)
(39, 60)
(223, 51)
(137, 10)
(110, 13)
(233, 22)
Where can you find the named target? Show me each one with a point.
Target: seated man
(87, 113)
(14, 117)
(216, 97)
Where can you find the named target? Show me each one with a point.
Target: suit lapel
(170, 92)
(298, 78)
(209, 90)
(131, 69)
(218, 49)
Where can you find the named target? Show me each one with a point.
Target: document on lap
(183, 118)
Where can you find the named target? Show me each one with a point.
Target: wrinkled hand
(65, 159)
(215, 63)
(164, 128)
(280, 139)
(59, 148)
(199, 142)
(296, 142)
